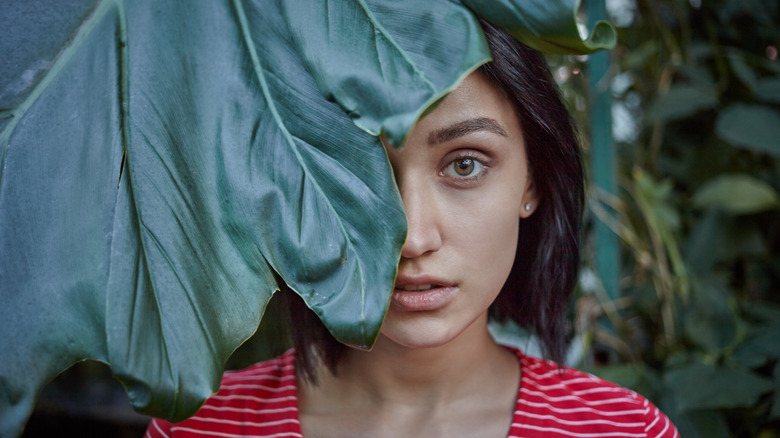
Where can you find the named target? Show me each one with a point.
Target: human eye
(465, 168)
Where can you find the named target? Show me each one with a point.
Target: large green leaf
(701, 386)
(768, 90)
(709, 321)
(162, 161)
(722, 238)
(546, 25)
(736, 193)
(418, 38)
(754, 127)
(760, 348)
(702, 424)
(681, 101)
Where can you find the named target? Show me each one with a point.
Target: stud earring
(528, 206)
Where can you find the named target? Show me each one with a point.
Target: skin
(435, 371)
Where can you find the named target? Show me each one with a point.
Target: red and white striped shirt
(261, 401)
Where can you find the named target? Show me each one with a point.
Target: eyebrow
(465, 127)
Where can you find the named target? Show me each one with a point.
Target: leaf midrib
(62, 58)
(378, 26)
(259, 72)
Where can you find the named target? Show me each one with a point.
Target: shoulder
(260, 400)
(265, 378)
(555, 399)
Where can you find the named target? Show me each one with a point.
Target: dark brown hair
(537, 292)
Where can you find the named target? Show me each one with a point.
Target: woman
(491, 182)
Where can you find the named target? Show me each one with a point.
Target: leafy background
(695, 88)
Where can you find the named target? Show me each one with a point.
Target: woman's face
(465, 183)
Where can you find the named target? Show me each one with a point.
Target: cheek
(487, 235)
(498, 241)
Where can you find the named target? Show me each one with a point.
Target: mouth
(416, 287)
(420, 283)
(422, 294)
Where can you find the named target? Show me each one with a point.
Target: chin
(421, 334)
(417, 342)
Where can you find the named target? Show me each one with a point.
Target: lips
(415, 287)
(422, 293)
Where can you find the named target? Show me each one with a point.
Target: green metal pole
(603, 156)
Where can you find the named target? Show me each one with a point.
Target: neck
(392, 373)
(466, 387)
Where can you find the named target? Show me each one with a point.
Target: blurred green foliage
(696, 94)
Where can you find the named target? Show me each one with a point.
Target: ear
(531, 198)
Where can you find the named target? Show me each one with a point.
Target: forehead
(475, 97)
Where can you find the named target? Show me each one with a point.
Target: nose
(424, 234)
